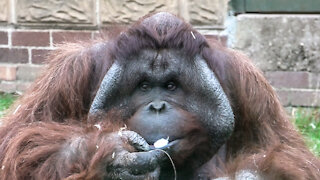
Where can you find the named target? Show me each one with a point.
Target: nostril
(162, 106)
(157, 106)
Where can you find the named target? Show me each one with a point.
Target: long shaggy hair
(52, 115)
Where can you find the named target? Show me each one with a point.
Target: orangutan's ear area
(156, 102)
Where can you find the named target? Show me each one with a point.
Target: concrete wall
(287, 49)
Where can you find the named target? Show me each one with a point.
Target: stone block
(30, 38)
(23, 86)
(315, 80)
(39, 56)
(127, 11)
(4, 4)
(206, 12)
(8, 72)
(28, 72)
(14, 86)
(14, 55)
(108, 32)
(8, 87)
(70, 36)
(301, 97)
(280, 42)
(53, 11)
(3, 37)
(214, 38)
(283, 79)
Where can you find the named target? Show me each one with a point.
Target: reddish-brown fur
(49, 136)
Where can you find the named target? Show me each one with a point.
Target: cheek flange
(217, 116)
(107, 89)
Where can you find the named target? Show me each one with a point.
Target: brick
(307, 98)
(96, 35)
(3, 37)
(101, 35)
(39, 56)
(67, 36)
(14, 55)
(8, 72)
(30, 38)
(8, 87)
(14, 86)
(284, 79)
(23, 86)
(314, 81)
(222, 39)
(28, 72)
(107, 32)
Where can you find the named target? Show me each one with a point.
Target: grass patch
(307, 120)
(5, 101)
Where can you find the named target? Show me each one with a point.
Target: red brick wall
(22, 54)
(29, 46)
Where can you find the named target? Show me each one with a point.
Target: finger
(147, 176)
(139, 162)
(135, 140)
(125, 175)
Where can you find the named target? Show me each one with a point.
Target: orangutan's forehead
(156, 65)
(158, 58)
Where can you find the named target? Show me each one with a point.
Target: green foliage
(307, 120)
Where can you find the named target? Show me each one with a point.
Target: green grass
(5, 101)
(307, 120)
